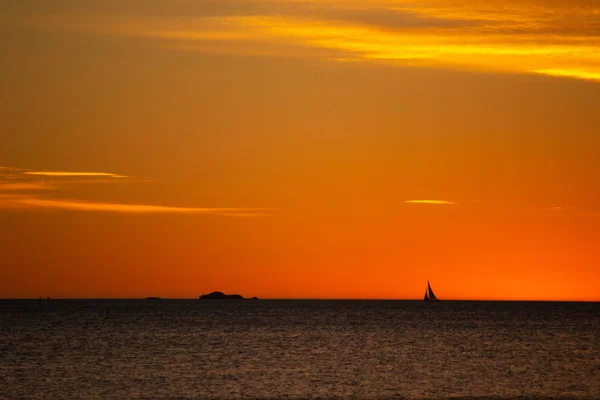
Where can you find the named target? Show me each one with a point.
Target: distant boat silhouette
(429, 295)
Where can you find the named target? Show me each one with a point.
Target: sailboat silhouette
(429, 295)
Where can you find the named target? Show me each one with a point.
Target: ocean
(298, 349)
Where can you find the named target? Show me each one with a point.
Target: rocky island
(220, 296)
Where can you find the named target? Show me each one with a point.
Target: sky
(300, 148)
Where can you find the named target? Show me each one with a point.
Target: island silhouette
(221, 296)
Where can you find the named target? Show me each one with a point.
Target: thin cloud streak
(75, 205)
(97, 181)
(12, 201)
(16, 187)
(68, 174)
(571, 73)
(244, 215)
(430, 202)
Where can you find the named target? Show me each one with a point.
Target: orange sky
(300, 149)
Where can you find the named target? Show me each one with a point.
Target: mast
(431, 294)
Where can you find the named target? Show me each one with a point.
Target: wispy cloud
(430, 202)
(76, 205)
(70, 174)
(17, 187)
(561, 39)
(245, 214)
(18, 191)
(571, 73)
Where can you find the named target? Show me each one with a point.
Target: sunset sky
(300, 148)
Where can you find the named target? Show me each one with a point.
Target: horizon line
(304, 299)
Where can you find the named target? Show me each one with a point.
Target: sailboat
(429, 295)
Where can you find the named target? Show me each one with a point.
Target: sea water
(286, 349)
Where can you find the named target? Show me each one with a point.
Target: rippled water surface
(298, 349)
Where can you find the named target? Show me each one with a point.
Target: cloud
(76, 205)
(571, 73)
(69, 174)
(17, 187)
(430, 202)
(487, 47)
(8, 172)
(244, 214)
(386, 17)
(561, 39)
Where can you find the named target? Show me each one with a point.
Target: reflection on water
(298, 349)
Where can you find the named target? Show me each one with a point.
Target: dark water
(62, 349)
